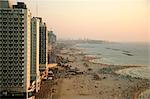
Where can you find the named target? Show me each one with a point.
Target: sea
(122, 54)
(137, 54)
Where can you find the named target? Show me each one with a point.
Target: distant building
(51, 47)
(35, 74)
(14, 49)
(51, 38)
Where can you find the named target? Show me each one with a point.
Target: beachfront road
(45, 91)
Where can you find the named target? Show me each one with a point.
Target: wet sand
(97, 81)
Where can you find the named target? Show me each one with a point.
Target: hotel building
(43, 51)
(14, 49)
(35, 74)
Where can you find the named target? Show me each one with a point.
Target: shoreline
(122, 67)
(72, 54)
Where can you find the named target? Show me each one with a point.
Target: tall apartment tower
(43, 52)
(35, 74)
(14, 49)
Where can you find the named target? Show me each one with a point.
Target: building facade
(51, 38)
(14, 49)
(34, 70)
(43, 51)
(51, 47)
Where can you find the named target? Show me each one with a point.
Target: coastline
(140, 91)
(98, 80)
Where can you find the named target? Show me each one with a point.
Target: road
(45, 91)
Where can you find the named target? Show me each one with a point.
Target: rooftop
(5, 3)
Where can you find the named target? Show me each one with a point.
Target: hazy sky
(113, 20)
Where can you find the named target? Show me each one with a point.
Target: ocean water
(121, 54)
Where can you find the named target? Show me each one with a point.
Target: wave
(141, 72)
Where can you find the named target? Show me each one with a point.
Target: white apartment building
(35, 73)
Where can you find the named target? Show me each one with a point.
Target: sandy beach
(87, 80)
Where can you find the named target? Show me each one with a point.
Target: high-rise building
(43, 52)
(35, 74)
(14, 49)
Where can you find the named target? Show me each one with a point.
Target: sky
(112, 20)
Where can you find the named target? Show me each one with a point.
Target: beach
(80, 78)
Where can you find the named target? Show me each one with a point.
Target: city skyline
(111, 20)
(34, 65)
(24, 51)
